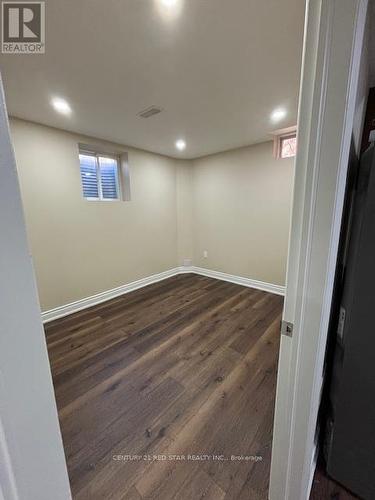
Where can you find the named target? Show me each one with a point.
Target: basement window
(286, 145)
(99, 176)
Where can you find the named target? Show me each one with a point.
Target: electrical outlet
(205, 254)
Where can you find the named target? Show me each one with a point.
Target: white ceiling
(217, 68)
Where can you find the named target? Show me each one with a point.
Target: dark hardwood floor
(324, 488)
(157, 389)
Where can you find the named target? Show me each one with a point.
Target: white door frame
(333, 42)
(32, 461)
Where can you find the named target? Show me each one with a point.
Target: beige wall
(235, 205)
(84, 247)
(241, 212)
(185, 240)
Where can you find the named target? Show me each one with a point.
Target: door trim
(333, 43)
(31, 448)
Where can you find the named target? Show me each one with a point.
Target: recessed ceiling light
(180, 144)
(61, 106)
(277, 115)
(169, 10)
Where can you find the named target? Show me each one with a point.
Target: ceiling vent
(151, 111)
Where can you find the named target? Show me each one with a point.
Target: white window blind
(99, 176)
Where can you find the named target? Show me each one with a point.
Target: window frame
(97, 155)
(279, 137)
(284, 138)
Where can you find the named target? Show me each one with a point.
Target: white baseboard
(93, 300)
(238, 280)
(65, 310)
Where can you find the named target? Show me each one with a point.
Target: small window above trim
(288, 146)
(285, 143)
